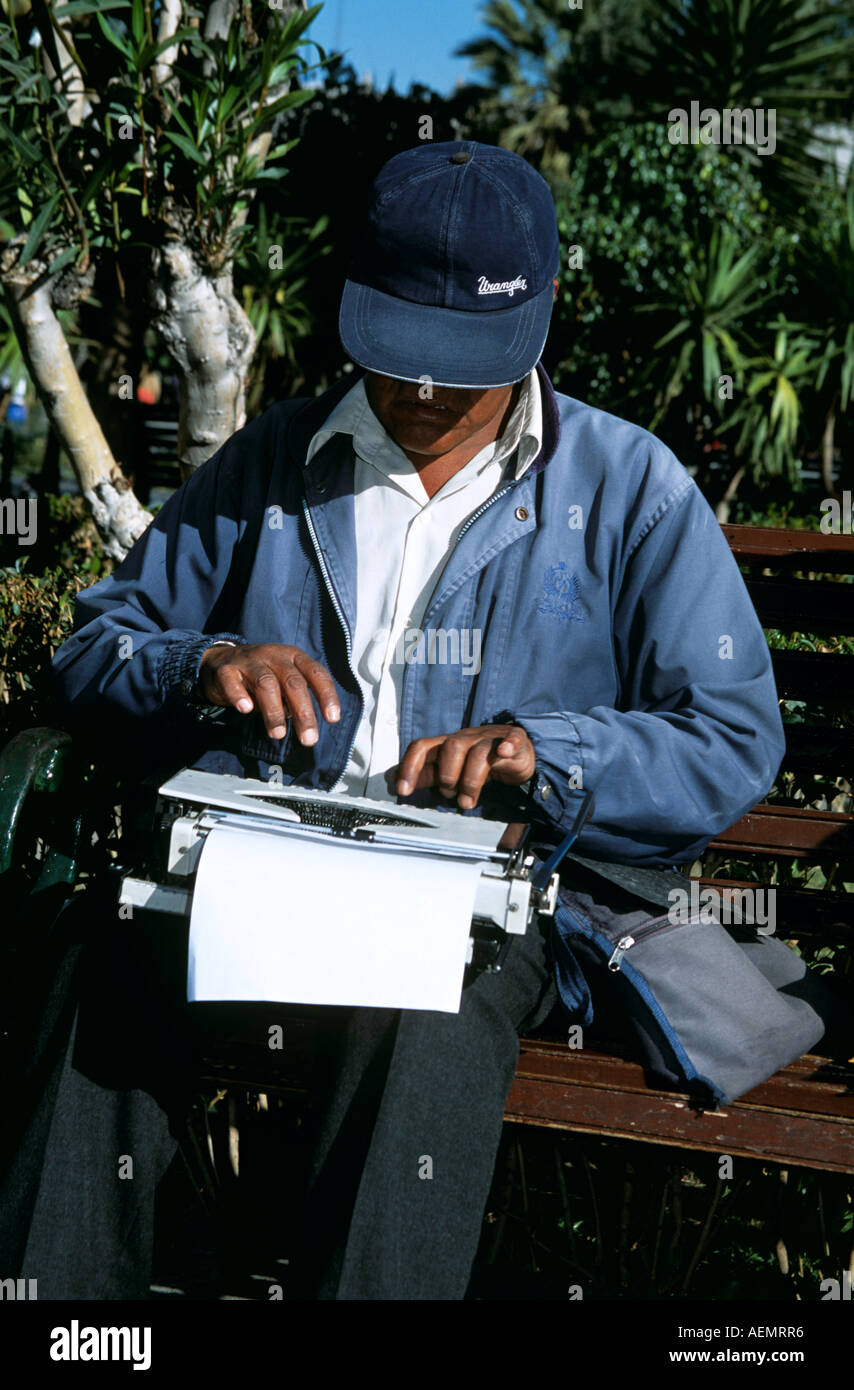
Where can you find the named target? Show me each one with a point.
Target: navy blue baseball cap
(452, 272)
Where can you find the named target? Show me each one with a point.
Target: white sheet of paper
(295, 920)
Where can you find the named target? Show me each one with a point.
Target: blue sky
(411, 40)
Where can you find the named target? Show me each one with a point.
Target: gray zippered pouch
(708, 1013)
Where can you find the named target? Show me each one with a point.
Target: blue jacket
(615, 627)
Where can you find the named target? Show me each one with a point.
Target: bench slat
(801, 912)
(801, 605)
(819, 748)
(789, 831)
(605, 1095)
(777, 548)
(828, 678)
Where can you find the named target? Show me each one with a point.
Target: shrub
(37, 593)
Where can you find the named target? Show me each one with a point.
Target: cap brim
(452, 347)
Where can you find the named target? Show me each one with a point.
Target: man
(446, 499)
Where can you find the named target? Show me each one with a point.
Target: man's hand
(279, 680)
(461, 764)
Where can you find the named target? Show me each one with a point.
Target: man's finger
(227, 687)
(321, 683)
(299, 702)
(513, 744)
(450, 761)
(475, 772)
(413, 762)
(268, 693)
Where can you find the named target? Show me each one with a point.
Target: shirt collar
(524, 429)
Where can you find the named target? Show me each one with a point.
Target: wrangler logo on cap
(485, 286)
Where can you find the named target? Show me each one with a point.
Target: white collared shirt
(403, 541)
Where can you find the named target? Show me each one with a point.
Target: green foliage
(768, 414)
(642, 1221)
(272, 275)
(701, 261)
(647, 280)
(556, 75)
(709, 305)
(139, 158)
(225, 89)
(792, 56)
(829, 290)
(36, 613)
(37, 595)
(100, 170)
(663, 309)
(562, 76)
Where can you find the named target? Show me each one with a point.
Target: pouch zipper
(650, 928)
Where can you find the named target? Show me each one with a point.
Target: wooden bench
(802, 1116)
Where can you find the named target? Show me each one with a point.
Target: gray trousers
(404, 1157)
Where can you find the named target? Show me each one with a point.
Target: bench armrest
(39, 761)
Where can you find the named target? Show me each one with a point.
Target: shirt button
(545, 791)
(521, 513)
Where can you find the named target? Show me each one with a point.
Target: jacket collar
(310, 416)
(551, 422)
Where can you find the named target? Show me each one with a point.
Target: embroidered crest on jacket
(561, 595)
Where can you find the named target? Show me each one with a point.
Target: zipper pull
(619, 951)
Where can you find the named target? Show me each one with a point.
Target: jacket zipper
(482, 508)
(347, 644)
(336, 605)
(650, 928)
(474, 516)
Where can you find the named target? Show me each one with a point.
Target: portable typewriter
(513, 888)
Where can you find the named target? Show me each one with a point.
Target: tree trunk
(212, 340)
(70, 79)
(201, 321)
(171, 14)
(115, 509)
(114, 330)
(219, 18)
(722, 510)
